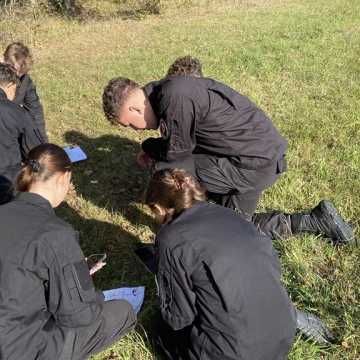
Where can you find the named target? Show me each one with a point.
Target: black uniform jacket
(217, 274)
(27, 97)
(45, 286)
(204, 116)
(18, 136)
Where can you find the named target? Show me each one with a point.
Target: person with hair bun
(218, 278)
(19, 56)
(49, 308)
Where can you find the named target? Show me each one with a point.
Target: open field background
(297, 59)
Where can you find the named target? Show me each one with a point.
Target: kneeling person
(219, 279)
(49, 308)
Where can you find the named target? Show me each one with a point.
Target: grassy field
(297, 59)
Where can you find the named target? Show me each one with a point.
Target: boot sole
(342, 229)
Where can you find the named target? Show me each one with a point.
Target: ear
(158, 209)
(136, 109)
(64, 178)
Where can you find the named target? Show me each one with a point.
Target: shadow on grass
(110, 178)
(123, 268)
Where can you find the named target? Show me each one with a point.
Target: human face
(132, 116)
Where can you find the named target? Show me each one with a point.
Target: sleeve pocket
(79, 282)
(165, 292)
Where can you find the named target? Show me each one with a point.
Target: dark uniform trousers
(227, 183)
(117, 319)
(235, 187)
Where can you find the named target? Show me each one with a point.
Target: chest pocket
(79, 283)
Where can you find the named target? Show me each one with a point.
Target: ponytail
(174, 190)
(42, 163)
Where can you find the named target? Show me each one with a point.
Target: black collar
(151, 90)
(3, 95)
(36, 200)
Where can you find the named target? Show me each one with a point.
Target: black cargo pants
(237, 188)
(116, 320)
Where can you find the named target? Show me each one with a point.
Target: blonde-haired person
(49, 308)
(19, 56)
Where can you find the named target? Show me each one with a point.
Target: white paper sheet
(134, 295)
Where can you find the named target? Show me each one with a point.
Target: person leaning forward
(49, 309)
(206, 128)
(17, 133)
(218, 134)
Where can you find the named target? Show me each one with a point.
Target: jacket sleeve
(29, 135)
(177, 127)
(177, 298)
(32, 104)
(72, 298)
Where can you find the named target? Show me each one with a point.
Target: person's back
(242, 310)
(13, 124)
(49, 308)
(17, 134)
(19, 56)
(214, 119)
(29, 230)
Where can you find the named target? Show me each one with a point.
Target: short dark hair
(17, 54)
(7, 74)
(115, 94)
(186, 65)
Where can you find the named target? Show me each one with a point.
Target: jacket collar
(3, 95)
(36, 200)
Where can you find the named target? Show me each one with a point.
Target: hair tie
(34, 165)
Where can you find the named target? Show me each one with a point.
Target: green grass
(297, 59)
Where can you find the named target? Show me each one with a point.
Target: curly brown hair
(186, 65)
(19, 56)
(115, 94)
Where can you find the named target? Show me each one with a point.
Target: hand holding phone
(96, 262)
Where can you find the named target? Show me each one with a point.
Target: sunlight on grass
(297, 59)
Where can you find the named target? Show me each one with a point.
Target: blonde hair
(174, 190)
(19, 56)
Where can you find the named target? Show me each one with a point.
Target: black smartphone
(93, 259)
(146, 253)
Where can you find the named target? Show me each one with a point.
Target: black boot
(310, 326)
(323, 220)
